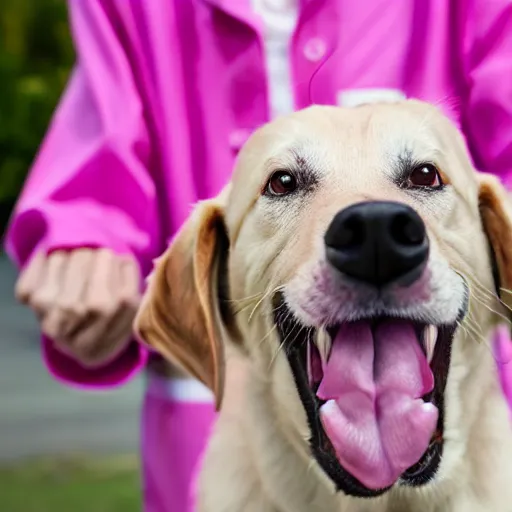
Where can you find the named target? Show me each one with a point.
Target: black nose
(378, 243)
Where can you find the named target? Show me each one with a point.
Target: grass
(78, 485)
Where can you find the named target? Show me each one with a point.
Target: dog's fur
(209, 307)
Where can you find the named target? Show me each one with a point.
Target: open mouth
(373, 392)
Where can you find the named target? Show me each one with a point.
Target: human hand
(85, 300)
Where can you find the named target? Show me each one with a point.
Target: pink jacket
(164, 93)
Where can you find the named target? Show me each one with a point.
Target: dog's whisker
(474, 334)
(473, 280)
(468, 329)
(471, 319)
(491, 295)
(275, 326)
(267, 294)
(260, 296)
(463, 327)
(261, 313)
(276, 353)
(501, 315)
(471, 330)
(267, 313)
(243, 299)
(271, 330)
(488, 301)
(244, 308)
(470, 333)
(281, 345)
(480, 293)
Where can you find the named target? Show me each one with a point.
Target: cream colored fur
(258, 458)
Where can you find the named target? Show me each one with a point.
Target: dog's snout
(378, 243)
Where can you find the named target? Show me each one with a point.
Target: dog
(339, 298)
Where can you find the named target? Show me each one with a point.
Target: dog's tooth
(323, 342)
(430, 337)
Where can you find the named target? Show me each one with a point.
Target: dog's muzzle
(373, 389)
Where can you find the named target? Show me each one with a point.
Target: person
(162, 97)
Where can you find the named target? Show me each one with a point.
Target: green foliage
(36, 55)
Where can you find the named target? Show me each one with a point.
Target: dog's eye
(281, 183)
(425, 175)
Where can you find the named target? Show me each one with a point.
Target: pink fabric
(113, 373)
(174, 435)
(503, 355)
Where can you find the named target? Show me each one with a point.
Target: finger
(105, 339)
(117, 332)
(130, 275)
(100, 303)
(110, 339)
(88, 341)
(100, 295)
(44, 297)
(69, 309)
(30, 277)
(129, 298)
(79, 271)
(99, 300)
(128, 289)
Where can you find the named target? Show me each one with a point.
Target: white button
(356, 97)
(237, 138)
(280, 5)
(315, 49)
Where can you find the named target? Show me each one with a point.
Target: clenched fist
(85, 300)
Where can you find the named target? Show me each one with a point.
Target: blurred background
(60, 449)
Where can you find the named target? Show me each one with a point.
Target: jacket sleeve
(487, 49)
(90, 185)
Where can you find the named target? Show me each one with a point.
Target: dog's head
(355, 257)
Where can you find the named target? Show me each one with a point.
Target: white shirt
(279, 19)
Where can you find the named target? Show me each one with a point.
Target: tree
(36, 55)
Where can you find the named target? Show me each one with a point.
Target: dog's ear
(179, 315)
(496, 214)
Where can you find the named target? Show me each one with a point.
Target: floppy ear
(179, 315)
(496, 214)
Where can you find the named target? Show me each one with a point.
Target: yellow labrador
(339, 297)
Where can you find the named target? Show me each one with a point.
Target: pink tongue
(374, 415)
